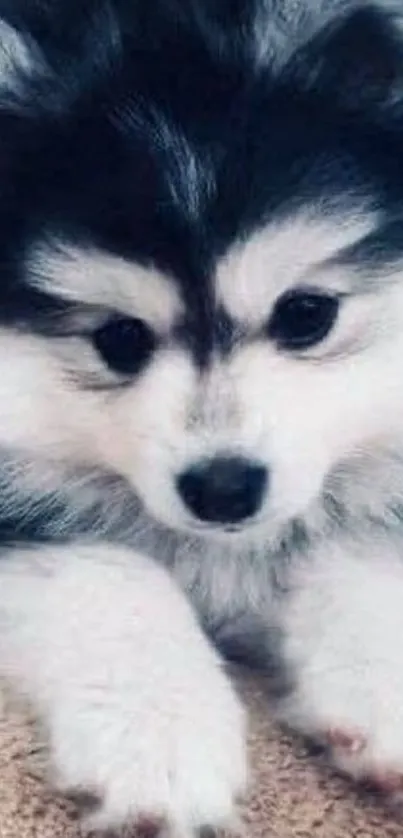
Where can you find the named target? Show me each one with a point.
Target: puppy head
(202, 284)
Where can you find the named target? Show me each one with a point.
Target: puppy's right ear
(356, 62)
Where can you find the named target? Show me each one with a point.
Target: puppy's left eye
(125, 344)
(302, 318)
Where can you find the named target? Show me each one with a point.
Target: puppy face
(203, 289)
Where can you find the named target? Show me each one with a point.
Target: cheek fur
(40, 409)
(137, 431)
(44, 412)
(304, 418)
(147, 421)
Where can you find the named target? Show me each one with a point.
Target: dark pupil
(301, 320)
(125, 344)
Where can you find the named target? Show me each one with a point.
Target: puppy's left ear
(357, 62)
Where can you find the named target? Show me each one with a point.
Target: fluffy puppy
(201, 387)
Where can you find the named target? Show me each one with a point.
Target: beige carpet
(291, 795)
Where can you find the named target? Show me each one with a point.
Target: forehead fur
(258, 33)
(166, 151)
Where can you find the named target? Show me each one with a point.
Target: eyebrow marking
(90, 276)
(284, 254)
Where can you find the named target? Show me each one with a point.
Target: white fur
(134, 699)
(343, 627)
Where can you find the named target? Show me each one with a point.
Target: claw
(148, 827)
(352, 743)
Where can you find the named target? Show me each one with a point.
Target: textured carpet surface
(292, 795)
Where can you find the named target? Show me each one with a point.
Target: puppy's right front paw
(172, 758)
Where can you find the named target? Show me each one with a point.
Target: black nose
(225, 490)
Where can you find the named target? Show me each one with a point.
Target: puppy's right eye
(125, 344)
